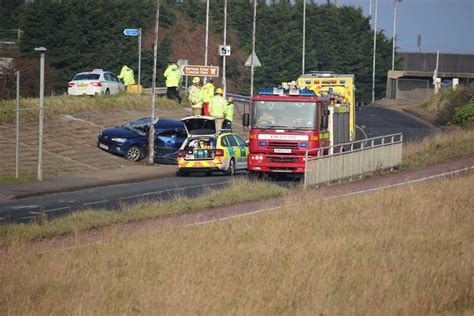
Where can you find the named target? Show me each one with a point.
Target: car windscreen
(279, 114)
(141, 126)
(86, 77)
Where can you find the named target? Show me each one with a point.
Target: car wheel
(134, 153)
(231, 169)
(107, 92)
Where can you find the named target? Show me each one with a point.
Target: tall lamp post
(224, 80)
(252, 62)
(42, 50)
(394, 31)
(304, 37)
(206, 44)
(151, 132)
(375, 49)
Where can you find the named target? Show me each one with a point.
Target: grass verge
(401, 251)
(22, 178)
(58, 105)
(438, 148)
(239, 190)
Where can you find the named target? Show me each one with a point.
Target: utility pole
(151, 134)
(206, 44)
(42, 50)
(304, 37)
(394, 31)
(252, 65)
(17, 151)
(375, 48)
(139, 55)
(224, 81)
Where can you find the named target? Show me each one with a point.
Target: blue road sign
(131, 32)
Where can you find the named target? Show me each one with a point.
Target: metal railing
(354, 159)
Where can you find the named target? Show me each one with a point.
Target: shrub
(464, 115)
(451, 100)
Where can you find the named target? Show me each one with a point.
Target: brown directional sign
(203, 71)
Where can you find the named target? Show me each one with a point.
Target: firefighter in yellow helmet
(173, 77)
(229, 114)
(195, 96)
(217, 108)
(126, 75)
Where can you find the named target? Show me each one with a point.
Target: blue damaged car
(131, 140)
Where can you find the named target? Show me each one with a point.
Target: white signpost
(135, 33)
(224, 50)
(256, 61)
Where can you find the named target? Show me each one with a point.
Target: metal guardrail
(353, 159)
(238, 97)
(158, 90)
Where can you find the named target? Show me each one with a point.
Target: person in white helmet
(195, 96)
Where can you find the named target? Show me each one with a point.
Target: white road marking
(171, 190)
(338, 196)
(69, 117)
(20, 207)
(235, 216)
(57, 209)
(362, 130)
(96, 202)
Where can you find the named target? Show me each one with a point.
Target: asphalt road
(372, 121)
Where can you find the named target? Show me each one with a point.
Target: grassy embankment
(58, 105)
(240, 190)
(400, 251)
(432, 150)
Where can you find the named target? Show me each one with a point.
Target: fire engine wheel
(134, 153)
(231, 169)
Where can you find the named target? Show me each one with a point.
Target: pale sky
(447, 25)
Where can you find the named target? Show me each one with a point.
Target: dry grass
(441, 147)
(240, 190)
(405, 251)
(58, 105)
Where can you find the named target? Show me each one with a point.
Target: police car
(95, 82)
(206, 150)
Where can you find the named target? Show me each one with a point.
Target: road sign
(256, 62)
(203, 71)
(131, 32)
(224, 50)
(182, 62)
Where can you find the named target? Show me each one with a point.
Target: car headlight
(119, 140)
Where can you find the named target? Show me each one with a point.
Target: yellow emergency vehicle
(341, 86)
(207, 150)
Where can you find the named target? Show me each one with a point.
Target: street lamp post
(42, 50)
(252, 62)
(374, 53)
(151, 132)
(304, 37)
(206, 44)
(224, 81)
(394, 31)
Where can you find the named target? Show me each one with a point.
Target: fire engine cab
(286, 121)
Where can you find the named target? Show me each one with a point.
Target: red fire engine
(285, 123)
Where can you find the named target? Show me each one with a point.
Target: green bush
(464, 115)
(451, 100)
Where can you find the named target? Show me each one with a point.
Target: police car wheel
(231, 168)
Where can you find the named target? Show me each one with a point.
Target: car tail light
(70, 85)
(181, 153)
(96, 84)
(218, 152)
